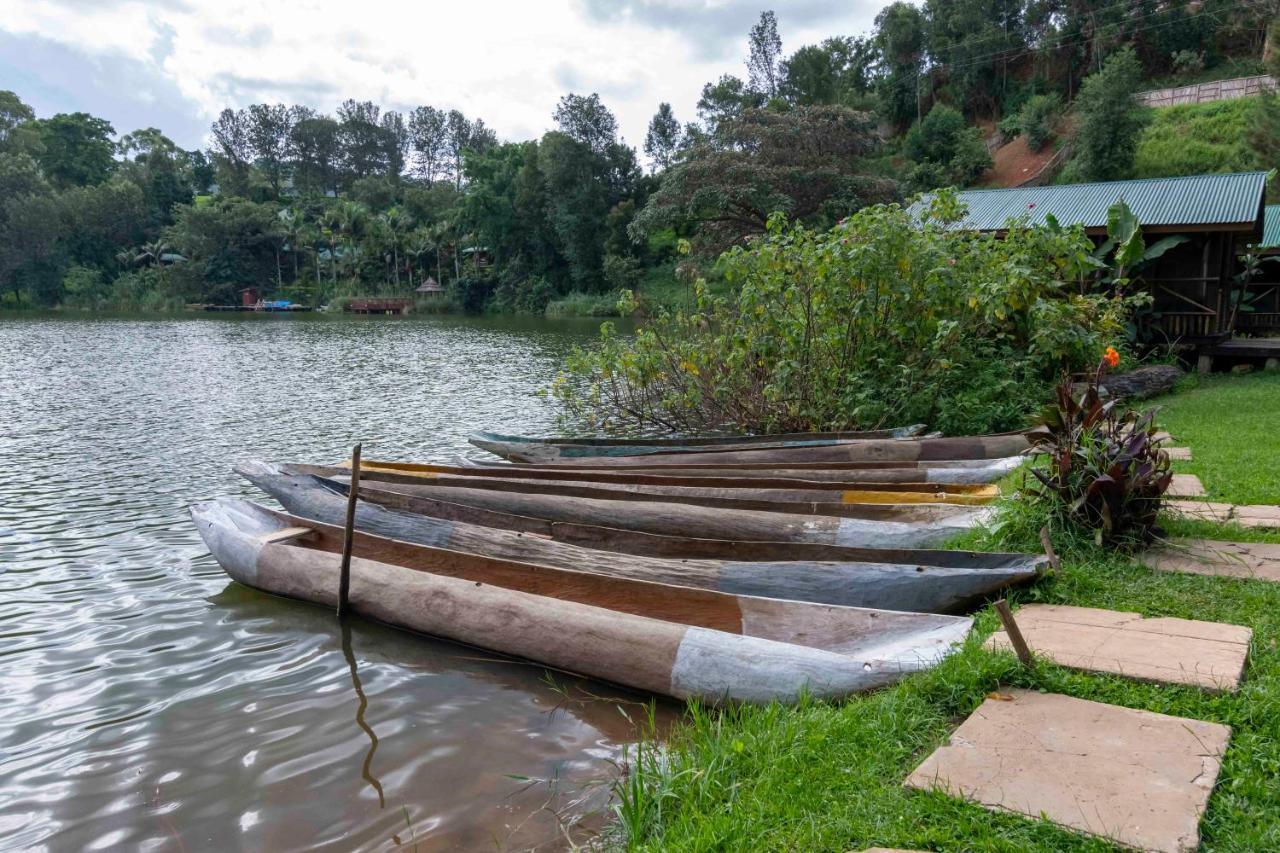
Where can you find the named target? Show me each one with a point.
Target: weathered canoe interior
(934, 581)
(823, 626)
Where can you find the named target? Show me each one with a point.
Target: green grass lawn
(829, 776)
(1232, 425)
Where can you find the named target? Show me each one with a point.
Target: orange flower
(1111, 358)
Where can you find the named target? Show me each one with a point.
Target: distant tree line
(311, 206)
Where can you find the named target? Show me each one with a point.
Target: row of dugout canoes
(723, 569)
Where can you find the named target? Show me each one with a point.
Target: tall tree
(457, 137)
(807, 162)
(1109, 118)
(268, 130)
(396, 131)
(364, 141)
(587, 120)
(900, 38)
(316, 149)
(726, 99)
(429, 139)
(232, 150)
(764, 57)
(76, 149)
(13, 112)
(664, 137)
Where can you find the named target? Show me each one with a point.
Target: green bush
(1036, 119)
(947, 151)
(881, 320)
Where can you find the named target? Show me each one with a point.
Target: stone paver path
(1133, 777)
(1200, 510)
(1258, 516)
(1170, 651)
(1186, 486)
(1179, 454)
(1255, 560)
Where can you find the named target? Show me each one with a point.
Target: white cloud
(505, 62)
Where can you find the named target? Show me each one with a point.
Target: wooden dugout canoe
(870, 450)
(680, 642)
(975, 472)
(879, 526)
(769, 495)
(524, 449)
(727, 479)
(926, 581)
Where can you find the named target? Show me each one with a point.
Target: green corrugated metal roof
(1225, 199)
(1271, 227)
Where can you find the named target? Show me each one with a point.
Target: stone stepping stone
(1186, 486)
(1200, 510)
(1179, 454)
(1252, 560)
(1168, 651)
(1262, 515)
(1132, 777)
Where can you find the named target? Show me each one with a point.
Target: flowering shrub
(886, 319)
(1105, 470)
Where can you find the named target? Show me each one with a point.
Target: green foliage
(947, 151)
(1036, 119)
(808, 162)
(1197, 139)
(75, 149)
(880, 320)
(1109, 118)
(1104, 468)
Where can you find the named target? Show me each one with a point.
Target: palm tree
(394, 225)
(353, 226)
(330, 230)
(420, 242)
(293, 227)
(150, 254)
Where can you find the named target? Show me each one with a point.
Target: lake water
(146, 702)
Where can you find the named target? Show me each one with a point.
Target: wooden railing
(1203, 93)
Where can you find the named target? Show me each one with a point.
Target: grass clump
(1196, 139)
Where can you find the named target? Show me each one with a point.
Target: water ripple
(148, 703)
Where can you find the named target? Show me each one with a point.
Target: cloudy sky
(175, 64)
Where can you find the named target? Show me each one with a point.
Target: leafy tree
(396, 132)
(76, 149)
(458, 130)
(972, 40)
(232, 151)
(664, 137)
(268, 131)
(900, 39)
(577, 204)
(363, 139)
(587, 120)
(1109, 118)
(724, 100)
(315, 142)
(765, 53)
(808, 163)
(13, 112)
(230, 242)
(429, 140)
(946, 149)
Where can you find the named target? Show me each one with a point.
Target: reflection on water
(147, 703)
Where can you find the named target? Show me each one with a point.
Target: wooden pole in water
(1015, 634)
(344, 574)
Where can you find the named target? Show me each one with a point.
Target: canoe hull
(657, 655)
(924, 581)
(870, 450)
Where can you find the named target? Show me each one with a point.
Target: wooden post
(344, 573)
(1048, 548)
(1015, 635)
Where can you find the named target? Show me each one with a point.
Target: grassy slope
(1195, 139)
(828, 777)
